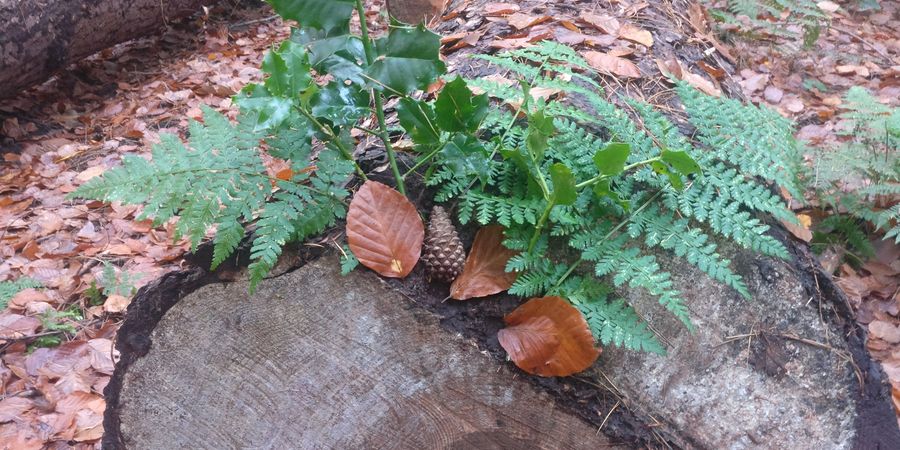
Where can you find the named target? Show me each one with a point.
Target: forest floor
(88, 256)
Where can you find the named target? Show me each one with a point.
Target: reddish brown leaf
(635, 34)
(612, 64)
(604, 23)
(384, 230)
(521, 21)
(485, 270)
(500, 9)
(548, 337)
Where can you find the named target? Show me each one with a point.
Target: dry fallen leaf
(548, 337)
(500, 9)
(886, 331)
(485, 270)
(604, 23)
(89, 173)
(614, 65)
(800, 231)
(674, 68)
(635, 34)
(521, 21)
(384, 230)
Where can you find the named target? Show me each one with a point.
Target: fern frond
(661, 229)
(628, 265)
(615, 322)
(8, 289)
(756, 139)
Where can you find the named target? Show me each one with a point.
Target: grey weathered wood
(316, 360)
(737, 381)
(40, 37)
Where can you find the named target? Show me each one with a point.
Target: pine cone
(444, 254)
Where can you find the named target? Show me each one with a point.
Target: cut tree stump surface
(316, 360)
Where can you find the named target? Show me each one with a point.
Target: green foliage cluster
(581, 173)
(218, 179)
(576, 173)
(775, 17)
(60, 323)
(111, 282)
(860, 180)
(8, 289)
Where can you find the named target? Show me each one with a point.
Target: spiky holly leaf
(458, 108)
(408, 60)
(611, 160)
(332, 16)
(339, 103)
(418, 119)
(564, 192)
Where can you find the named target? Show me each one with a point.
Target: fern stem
(378, 99)
(568, 272)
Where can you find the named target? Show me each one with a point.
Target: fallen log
(41, 37)
(317, 360)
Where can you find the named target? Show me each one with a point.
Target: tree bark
(415, 11)
(40, 37)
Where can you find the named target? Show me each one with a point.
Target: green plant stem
(423, 161)
(378, 99)
(540, 226)
(601, 177)
(345, 152)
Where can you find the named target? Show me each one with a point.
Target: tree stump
(316, 360)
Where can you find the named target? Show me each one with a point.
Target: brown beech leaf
(484, 273)
(635, 34)
(548, 337)
(604, 23)
(615, 65)
(384, 230)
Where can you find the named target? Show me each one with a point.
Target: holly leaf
(263, 109)
(384, 230)
(548, 337)
(342, 56)
(339, 103)
(466, 156)
(417, 118)
(327, 15)
(540, 128)
(680, 161)
(603, 189)
(611, 160)
(564, 192)
(458, 109)
(288, 69)
(408, 60)
(485, 270)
